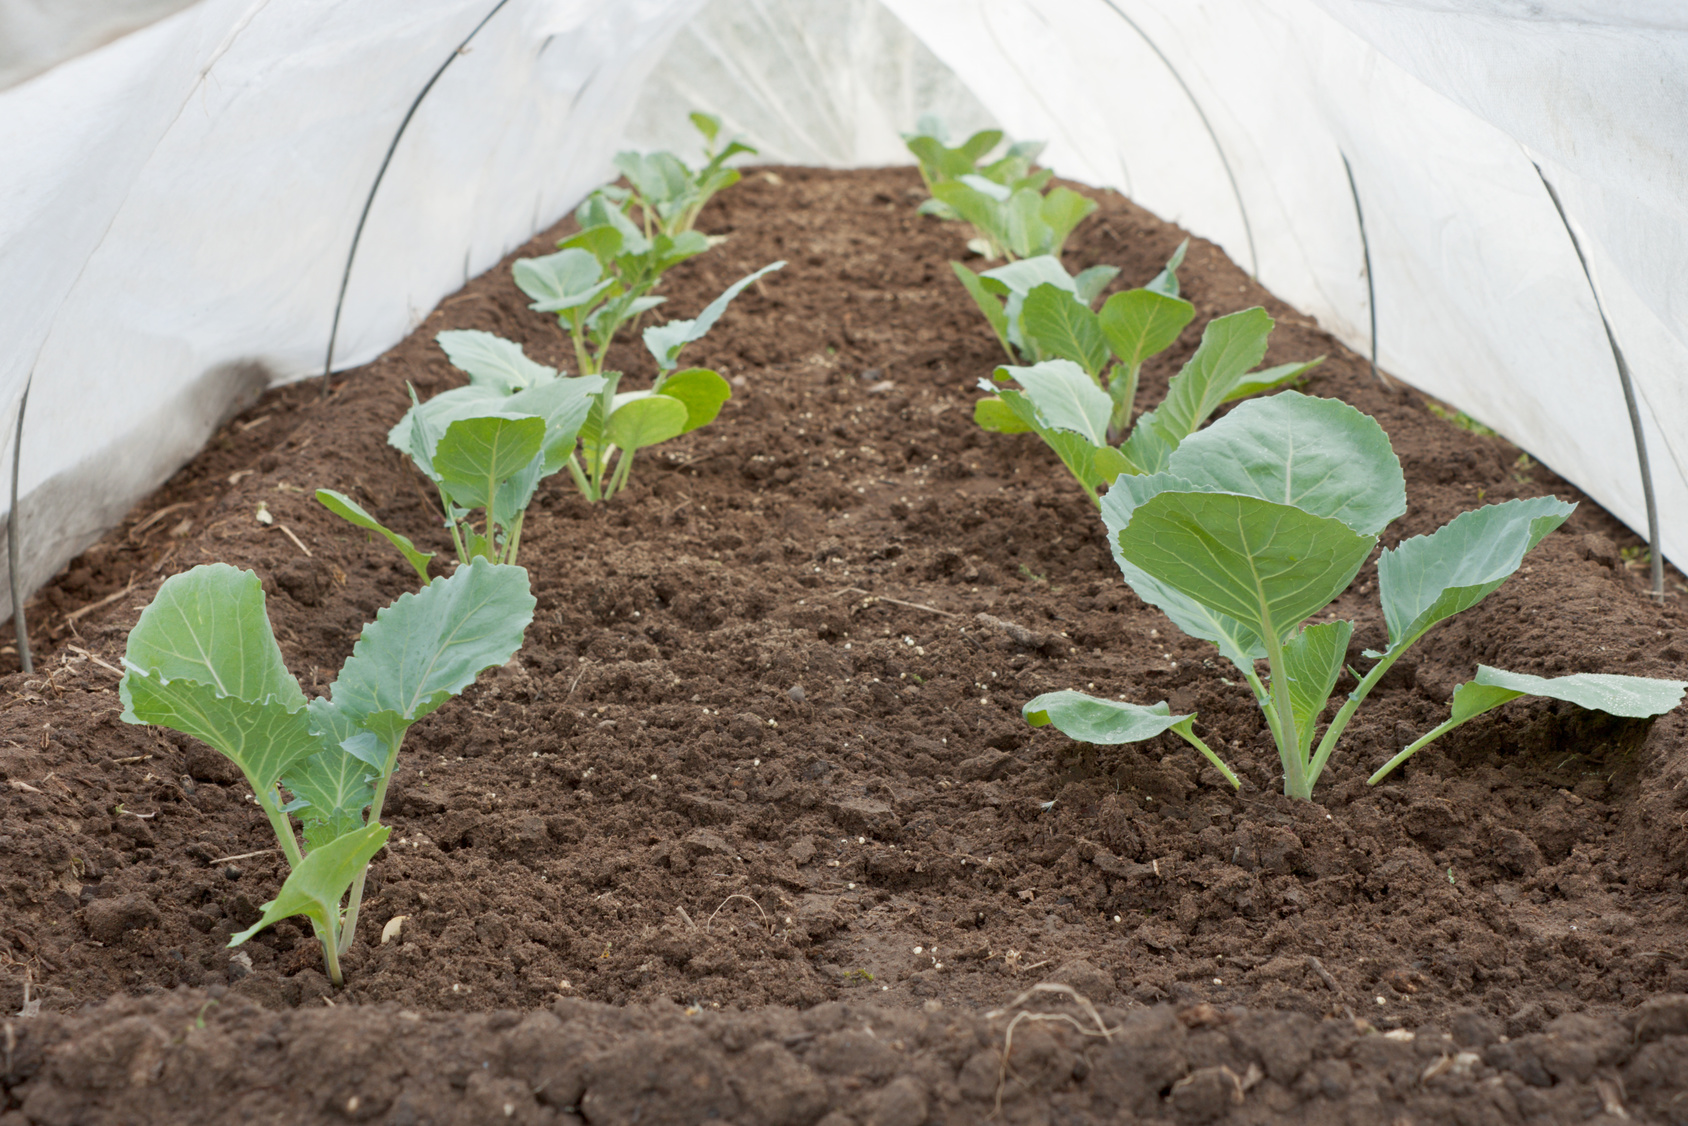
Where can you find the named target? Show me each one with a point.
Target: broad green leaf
(1231, 345)
(1017, 279)
(563, 404)
(937, 209)
(1637, 697)
(321, 880)
(1313, 660)
(1140, 323)
(1167, 280)
(980, 143)
(997, 416)
(424, 424)
(369, 737)
(990, 189)
(659, 176)
(1110, 463)
(263, 737)
(1266, 565)
(335, 788)
(1266, 379)
(351, 511)
(605, 242)
(1062, 209)
(477, 455)
(565, 280)
(1429, 578)
(1237, 643)
(1472, 700)
(1021, 226)
(492, 361)
(665, 341)
(1056, 322)
(938, 161)
(599, 210)
(1077, 453)
(426, 647)
(703, 392)
(1320, 455)
(706, 123)
(972, 204)
(668, 251)
(1089, 284)
(1149, 445)
(1065, 397)
(643, 418)
(987, 303)
(1028, 273)
(208, 625)
(1090, 719)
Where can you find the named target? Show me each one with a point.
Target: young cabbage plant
(940, 163)
(202, 660)
(601, 278)
(1017, 220)
(1256, 525)
(1063, 401)
(621, 423)
(668, 193)
(486, 446)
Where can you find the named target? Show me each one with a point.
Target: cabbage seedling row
(1256, 525)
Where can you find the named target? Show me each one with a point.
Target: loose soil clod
(791, 710)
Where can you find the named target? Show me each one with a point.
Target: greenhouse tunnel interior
(185, 183)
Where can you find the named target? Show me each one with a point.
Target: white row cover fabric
(176, 206)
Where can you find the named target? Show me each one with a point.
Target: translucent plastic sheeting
(820, 82)
(178, 207)
(36, 34)
(1441, 109)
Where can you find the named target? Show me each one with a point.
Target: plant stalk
(349, 928)
(283, 828)
(1186, 732)
(1412, 749)
(623, 467)
(514, 539)
(1339, 723)
(1296, 781)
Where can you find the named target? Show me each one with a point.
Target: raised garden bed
(763, 749)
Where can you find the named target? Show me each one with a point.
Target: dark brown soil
(763, 750)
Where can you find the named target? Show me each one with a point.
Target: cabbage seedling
(202, 660)
(1041, 313)
(1062, 401)
(485, 446)
(939, 163)
(1018, 220)
(621, 423)
(1256, 525)
(667, 192)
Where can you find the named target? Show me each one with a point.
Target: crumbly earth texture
(753, 819)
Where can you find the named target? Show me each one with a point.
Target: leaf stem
(582, 352)
(1339, 723)
(1296, 781)
(331, 957)
(1186, 731)
(1412, 749)
(283, 828)
(514, 540)
(349, 928)
(623, 467)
